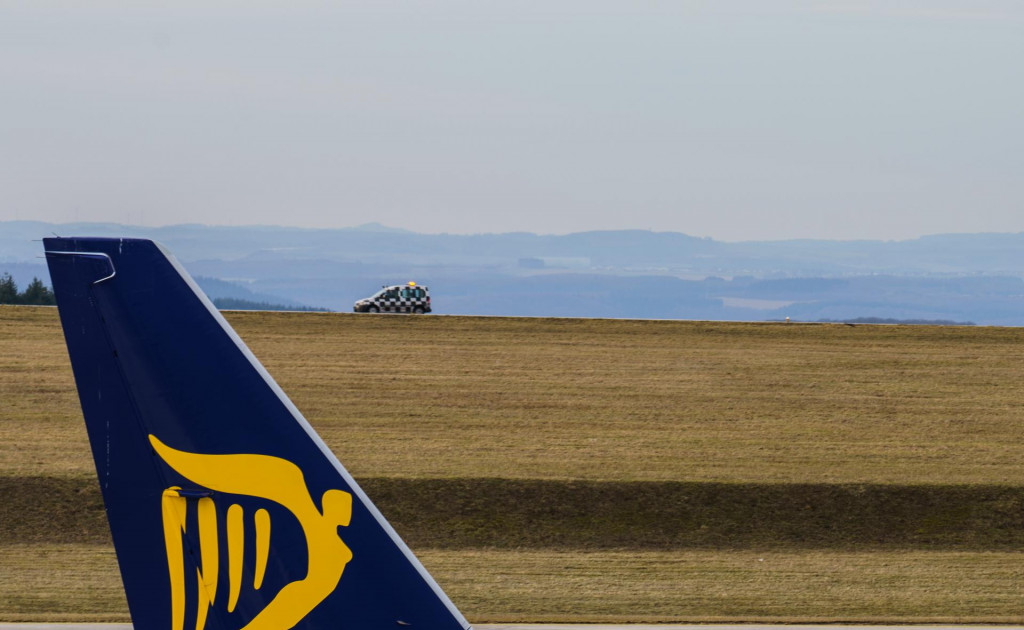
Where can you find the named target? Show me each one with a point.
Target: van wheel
(373, 309)
(418, 310)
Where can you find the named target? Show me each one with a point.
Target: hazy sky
(736, 120)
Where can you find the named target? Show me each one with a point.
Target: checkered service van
(400, 298)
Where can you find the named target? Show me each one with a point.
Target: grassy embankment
(601, 470)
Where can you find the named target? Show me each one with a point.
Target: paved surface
(595, 626)
(562, 626)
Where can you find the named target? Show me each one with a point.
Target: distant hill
(625, 273)
(226, 291)
(619, 250)
(237, 304)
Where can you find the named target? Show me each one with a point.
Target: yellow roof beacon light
(411, 283)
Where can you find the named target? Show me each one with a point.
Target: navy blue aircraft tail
(227, 510)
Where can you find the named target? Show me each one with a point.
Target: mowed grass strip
(81, 583)
(702, 586)
(614, 400)
(587, 515)
(59, 583)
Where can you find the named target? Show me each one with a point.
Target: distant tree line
(238, 304)
(36, 293)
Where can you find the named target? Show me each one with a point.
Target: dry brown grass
(593, 399)
(60, 583)
(710, 586)
(41, 425)
(460, 398)
(81, 583)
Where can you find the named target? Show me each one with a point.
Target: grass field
(880, 468)
(593, 399)
(61, 582)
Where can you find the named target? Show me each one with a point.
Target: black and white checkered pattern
(400, 299)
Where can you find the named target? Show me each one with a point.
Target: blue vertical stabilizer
(227, 510)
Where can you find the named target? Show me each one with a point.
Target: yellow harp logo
(271, 478)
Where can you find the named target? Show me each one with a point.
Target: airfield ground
(601, 470)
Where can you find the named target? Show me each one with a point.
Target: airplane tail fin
(227, 510)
